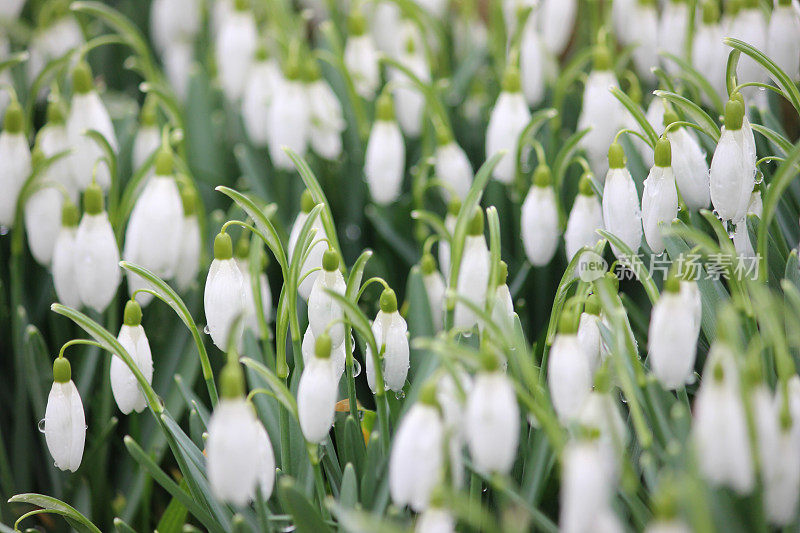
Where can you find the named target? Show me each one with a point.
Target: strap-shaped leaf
(637, 113)
(306, 517)
(55, 506)
(277, 385)
(706, 123)
(636, 264)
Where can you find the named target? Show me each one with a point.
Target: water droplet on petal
(356, 368)
(40, 425)
(716, 214)
(288, 529)
(400, 394)
(4, 230)
(207, 330)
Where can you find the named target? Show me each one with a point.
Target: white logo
(591, 266)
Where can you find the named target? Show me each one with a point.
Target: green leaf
(348, 494)
(688, 72)
(780, 181)
(276, 384)
(55, 506)
(637, 113)
(779, 140)
(560, 163)
(122, 527)
(704, 121)
(306, 517)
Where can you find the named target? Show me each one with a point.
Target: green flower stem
(286, 451)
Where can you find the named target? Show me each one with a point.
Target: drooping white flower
(361, 57)
(264, 81)
(621, 16)
(601, 415)
(719, 425)
(96, 254)
(492, 420)
(450, 219)
(435, 289)
(741, 236)
(621, 213)
(532, 63)
(783, 38)
(223, 298)
(672, 31)
(410, 101)
(338, 353)
(148, 136)
(289, 120)
(64, 421)
(126, 389)
(64, 276)
(385, 159)
(733, 167)
(512, 12)
(509, 117)
(453, 167)
(235, 48)
(384, 20)
(174, 21)
(709, 53)
(178, 59)
(539, 219)
(435, 520)
(324, 313)
(265, 463)
(557, 19)
(416, 464)
(672, 337)
(56, 32)
(749, 25)
(584, 220)
(391, 336)
(659, 197)
(15, 162)
(327, 122)
(155, 227)
(503, 313)
(316, 394)
(644, 36)
(87, 112)
(689, 165)
(780, 462)
(188, 262)
(585, 487)
(589, 333)
(314, 258)
(232, 451)
(569, 375)
(10, 9)
(473, 275)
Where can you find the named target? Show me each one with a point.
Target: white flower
(338, 353)
(659, 197)
(316, 393)
(503, 304)
(41, 227)
(783, 39)
(391, 337)
(323, 310)
(410, 101)
(96, 254)
(557, 19)
(621, 16)
(317, 249)
(733, 166)
(600, 413)
(780, 461)
(233, 451)
(264, 81)
(585, 486)
(689, 166)
(709, 53)
(58, 31)
(644, 35)
(177, 61)
(584, 220)
(539, 220)
(223, 298)
(148, 136)
(10, 9)
(64, 421)
(126, 389)
(174, 21)
(236, 45)
(15, 162)
(453, 167)
(385, 159)
(385, 20)
(741, 236)
(492, 421)
(719, 425)
(532, 63)
(435, 520)
(327, 122)
(88, 112)
(435, 289)
(509, 117)
(450, 220)
(569, 375)
(188, 262)
(265, 462)
(64, 275)
(621, 214)
(750, 26)
(416, 464)
(672, 337)
(289, 121)
(589, 333)
(361, 57)
(473, 275)
(672, 31)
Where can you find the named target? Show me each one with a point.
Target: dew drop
(40, 425)
(207, 330)
(716, 214)
(400, 394)
(356, 368)
(288, 529)
(759, 177)
(680, 208)
(466, 334)
(3, 230)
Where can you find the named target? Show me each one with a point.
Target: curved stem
(75, 342)
(367, 283)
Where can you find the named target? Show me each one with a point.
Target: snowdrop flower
(188, 262)
(57, 31)
(262, 285)
(338, 354)
(317, 249)
(178, 60)
(473, 274)
(709, 53)
(539, 220)
(513, 11)
(385, 159)
(780, 462)
(223, 298)
(659, 197)
(589, 332)
(265, 463)
(126, 389)
(688, 164)
(450, 219)
(586, 489)
(174, 21)
(741, 236)
(316, 394)
(435, 520)
(503, 306)
(155, 227)
(64, 265)
(601, 111)
(644, 35)
(434, 288)
(361, 57)
(750, 26)
(672, 31)
(416, 464)
(672, 337)
(600, 415)
(783, 38)
(64, 421)
(492, 419)
(148, 136)
(509, 117)
(569, 375)
(452, 166)
(410, 101)
(384, 18)
(391, 337)
(289, 120)
(232, 448)
(768, 436)
(235, 47)
(557, 19)
(327, 122)
(719, 425)
(264, 81)
(621, 17)
(88, 112)
(584, 220)
(15, 162)
(733, 167)
(11, 9)
(324, 314)
(451, 393)
(96, 254)
(532, 63)
(621, 213)
(655, 116)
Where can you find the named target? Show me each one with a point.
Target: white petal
(492, 418)
(316, 399)
(65, 426)
(323, 309)
(384, 162)
(127, 392)
(223, 301)
(15, 167)
(509, 117)
(659, 205)
(539, 222)
(235, 47)
(89, 113)
(568, 376)
(64, 276)
(232, 450)
(417, 458)
(621, 213)
(96, 261)
(473, 281)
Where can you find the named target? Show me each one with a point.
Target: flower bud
(235, 49)
(316, 394)
(509, 117)
(126, 389)
(64, 421)
(15, 162)
(391, 336)
(659, 197)
(733, 166)
(385, 159)
(223, 298)
(323, 310)
(584, 220)
(539, 219)
(473, 275)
